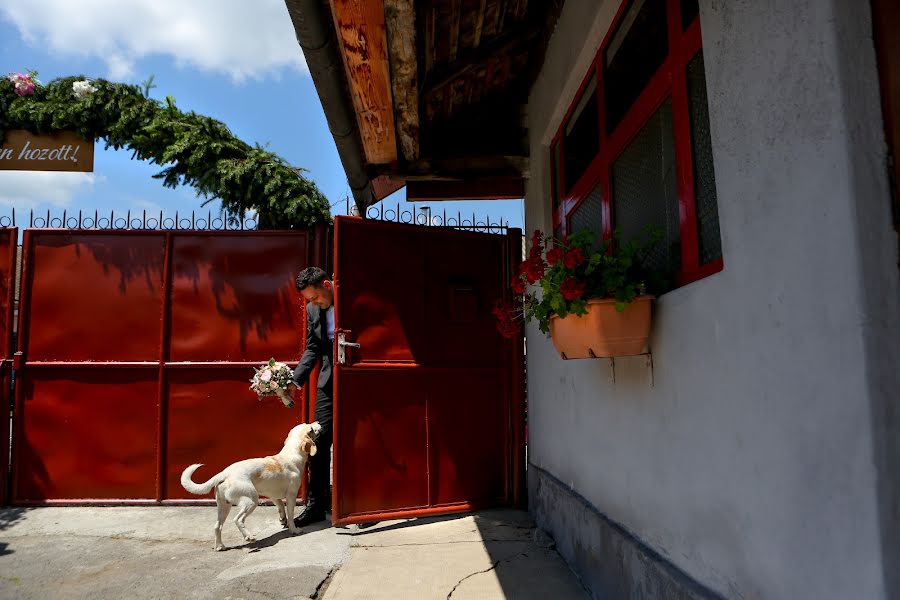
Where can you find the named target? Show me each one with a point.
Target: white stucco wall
(761, 460)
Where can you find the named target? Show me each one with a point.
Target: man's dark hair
(310, 276)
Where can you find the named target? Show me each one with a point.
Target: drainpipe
(315, 33)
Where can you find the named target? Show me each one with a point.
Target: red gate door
(8, 238)
(429, 409)
(136, 349)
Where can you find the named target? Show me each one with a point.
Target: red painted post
(162, 424)
(9, 281)
(517, 396)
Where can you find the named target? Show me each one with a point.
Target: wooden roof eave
(315, 33)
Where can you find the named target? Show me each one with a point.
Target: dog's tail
(199, 488)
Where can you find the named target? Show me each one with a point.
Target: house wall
(758, 456)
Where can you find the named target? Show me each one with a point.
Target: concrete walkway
(488, 555)
(159, 552)
(166, 552)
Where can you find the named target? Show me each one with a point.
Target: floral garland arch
(192, 149)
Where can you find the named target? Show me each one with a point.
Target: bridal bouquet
(273, 378)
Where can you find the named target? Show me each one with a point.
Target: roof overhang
(429, 93)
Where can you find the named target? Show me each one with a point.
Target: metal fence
(427, 217)
(130, 220)
(196, 220)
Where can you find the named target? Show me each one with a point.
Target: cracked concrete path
(488, 555)
(160, 552)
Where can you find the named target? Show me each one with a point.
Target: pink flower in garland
(23, 83)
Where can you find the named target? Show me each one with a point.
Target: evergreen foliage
(192, 149)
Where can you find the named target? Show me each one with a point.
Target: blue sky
(233, 60)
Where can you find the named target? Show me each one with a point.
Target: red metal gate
(136, 351)
(429, 410)
(8, 239)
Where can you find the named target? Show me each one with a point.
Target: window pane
(689, 10)
(589, 215)
(645, 189)
(710, 243)
(637, 49)
(582, 135)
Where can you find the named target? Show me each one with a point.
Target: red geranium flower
(518, 286)
(574, 258)
(571, 289)
(554, 255)
(533, 268)
(508, 317)
(537, 245)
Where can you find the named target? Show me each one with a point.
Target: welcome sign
(60, 151)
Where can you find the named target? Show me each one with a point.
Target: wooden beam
(501, 14)
(455, 7)
(479, 23)
(479, 58)
(430, 19)
(361, 33)
(461, 168)
(400, 20)
(485, 188)
(384, 186)
(521, 9)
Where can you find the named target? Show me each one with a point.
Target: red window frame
(669, 81)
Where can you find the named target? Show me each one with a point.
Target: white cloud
(241, 38)
(27, 189)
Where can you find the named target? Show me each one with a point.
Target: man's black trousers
(320, 464)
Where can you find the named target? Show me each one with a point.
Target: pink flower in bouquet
(273, 378)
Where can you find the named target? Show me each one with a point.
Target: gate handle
(342, 345)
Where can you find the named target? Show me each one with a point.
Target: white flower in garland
(82, 89)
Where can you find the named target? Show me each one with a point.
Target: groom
(318, 290)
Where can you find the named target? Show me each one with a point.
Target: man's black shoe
(310, 514)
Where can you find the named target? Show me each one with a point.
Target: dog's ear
(308, 446)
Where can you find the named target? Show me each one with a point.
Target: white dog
(276, 477)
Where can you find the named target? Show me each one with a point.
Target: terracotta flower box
(603, 331)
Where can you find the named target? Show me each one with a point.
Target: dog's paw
(249, 538)
(294, 530)
(218, 547)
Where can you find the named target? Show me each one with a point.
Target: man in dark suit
(318, 290)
